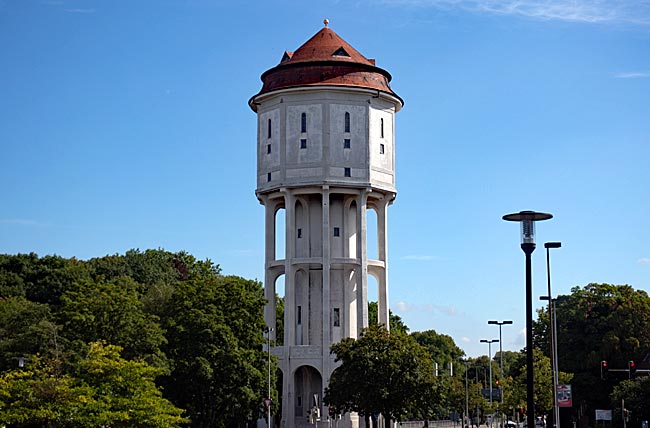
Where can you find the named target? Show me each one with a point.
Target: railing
(432, 424)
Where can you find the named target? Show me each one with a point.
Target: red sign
(564, 396)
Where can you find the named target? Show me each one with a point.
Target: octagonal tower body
(325, 155)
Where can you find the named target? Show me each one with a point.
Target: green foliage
(214, 328)
(382, 372)
(636, 393)
(441, 347)
(112, 312)
(41, 280)
(109, 391)
(279, 320)
(57, 308)
(153, 267)
(600, 322)
(26, 328)
(395, 321)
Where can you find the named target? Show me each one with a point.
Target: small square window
(346, 143)
(299, 233)
(381, 149)
(268, 177)
(337, 231)
(303, 143)
(268, 148)
(347, 172)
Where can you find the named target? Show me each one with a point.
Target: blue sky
(125, 125)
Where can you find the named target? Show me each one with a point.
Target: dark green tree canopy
(381, 372)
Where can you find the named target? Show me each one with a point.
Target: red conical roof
(325, 60)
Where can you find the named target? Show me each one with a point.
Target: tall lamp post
(490, 342)
(502, 323)
(553, 332)
(466, 418)
(527, 220)
(268, 331)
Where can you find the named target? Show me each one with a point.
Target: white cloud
(465, 339)
(402, 306)
(419, 258)
(644, 260)
(80, 10)
(632, 75)
(20, 222)
(590, 11)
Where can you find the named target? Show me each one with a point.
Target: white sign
(603, 415)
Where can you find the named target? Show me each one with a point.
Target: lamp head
(552, 244)
(527, 220)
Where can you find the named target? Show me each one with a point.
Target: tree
(542, 387)
(215, 332)
(41, 280)
(26, 328)
(636, 393)
(124, 393)
(381, 372)
(600, 322)
(112, 312)
(442, 348)
(108, 391)
(395, 321)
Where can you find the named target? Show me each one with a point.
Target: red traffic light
(603, 363)
(631, 363)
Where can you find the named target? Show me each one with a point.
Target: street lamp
(466, 418)
(508, 322)
(268, 331)
(527, 220)
(553, 332)
(490, 342)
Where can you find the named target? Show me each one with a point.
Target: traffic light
(631, 368)
(603, 369)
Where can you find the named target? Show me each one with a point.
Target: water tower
(325, 156)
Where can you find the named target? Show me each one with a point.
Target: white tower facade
(325, 156)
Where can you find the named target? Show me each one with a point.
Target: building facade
(325, 156)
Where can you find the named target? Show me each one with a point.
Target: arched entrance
(308, 387)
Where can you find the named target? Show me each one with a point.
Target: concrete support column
(270, 207)
(289, 310)
(327, 303)
(382, 280)
(362, 280)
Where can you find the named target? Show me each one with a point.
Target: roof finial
(326, 22)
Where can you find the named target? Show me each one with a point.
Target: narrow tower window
(347, 122)
(336, 317)
(299, 233)
(303, 122)
(381, 149)
(346, 143)
(337, 231)
(382, 127)
(347, 172)
(268, 177)
(303, 143)
(269, 129)
(268, 148)
(299, 315)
